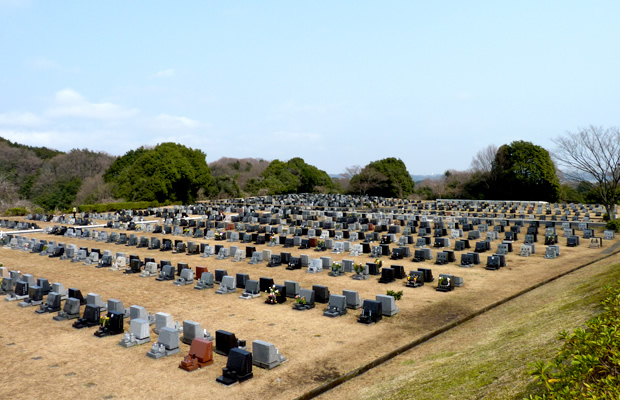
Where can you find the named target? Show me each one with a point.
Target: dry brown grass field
(42, 357)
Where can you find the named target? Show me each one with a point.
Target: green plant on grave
(588, 364)
(358, 268)
(336, 266)
(614, 225)
(397, 295)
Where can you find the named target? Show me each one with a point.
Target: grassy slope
(488, 357)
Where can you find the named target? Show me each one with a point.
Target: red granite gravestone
(199, 271)
(200, 355)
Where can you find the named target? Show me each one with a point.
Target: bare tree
(593, 154)
(483, 160)
(351, 171)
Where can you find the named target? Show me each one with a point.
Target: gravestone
(186, 278)
(150, 270)
(321, 294)
(353, 300)
(266, 355)
(292, 289)
(192, 330)
(226, 341)
(167, 343)
(445, 283)
(200, 355)
(305, 300)
(219, 274)
(227, 285)
(89, 318)
(70, 310)
(337, 306)
(372, 312)
(252, 290)
(205, 281)
(388, 305)
(238, 367)
(138, 333)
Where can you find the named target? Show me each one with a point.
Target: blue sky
(338, 83)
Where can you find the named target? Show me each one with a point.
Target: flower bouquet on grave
(358, 268)
(218, 235)
(300, 300)
(104, 321)
(336, 269)
(379, 263)
(320, 245)
(273, 241)
(272, 295)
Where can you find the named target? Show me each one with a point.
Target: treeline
(33, 177)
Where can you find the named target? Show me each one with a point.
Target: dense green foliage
(524, 171)
(613, 225)
(60, 195)
(388, 177)
(588, 364)
(226, 187)
(293, 176)
(169, 171)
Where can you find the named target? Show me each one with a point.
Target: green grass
(494, 363)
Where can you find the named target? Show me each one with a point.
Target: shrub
(397, 295)
(16, 211)
(614, 224)
(588, 364)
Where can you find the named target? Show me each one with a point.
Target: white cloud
(179, 122)
(69, 103)
(165, 73)
(21, 119)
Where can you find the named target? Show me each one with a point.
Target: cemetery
(167, 312)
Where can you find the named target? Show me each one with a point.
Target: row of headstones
(238, 368)
(17, 225)
(227, 285)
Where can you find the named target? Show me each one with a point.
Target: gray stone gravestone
(266, 355)
(388, 305)
(337, 306)
(228, 285)
(353, 299)
(138, 333)
(167, 344)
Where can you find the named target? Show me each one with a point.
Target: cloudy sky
(338, 83)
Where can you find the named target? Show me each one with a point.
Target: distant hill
(420, 178)
(41, 152)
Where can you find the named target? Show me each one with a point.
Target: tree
(388, 177)
(293, 176)
(368, 180)
(593, 154)
(483, 160)
(169, 171)
(525, 171)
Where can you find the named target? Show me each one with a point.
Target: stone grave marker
(372, 312)
(167, 343)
